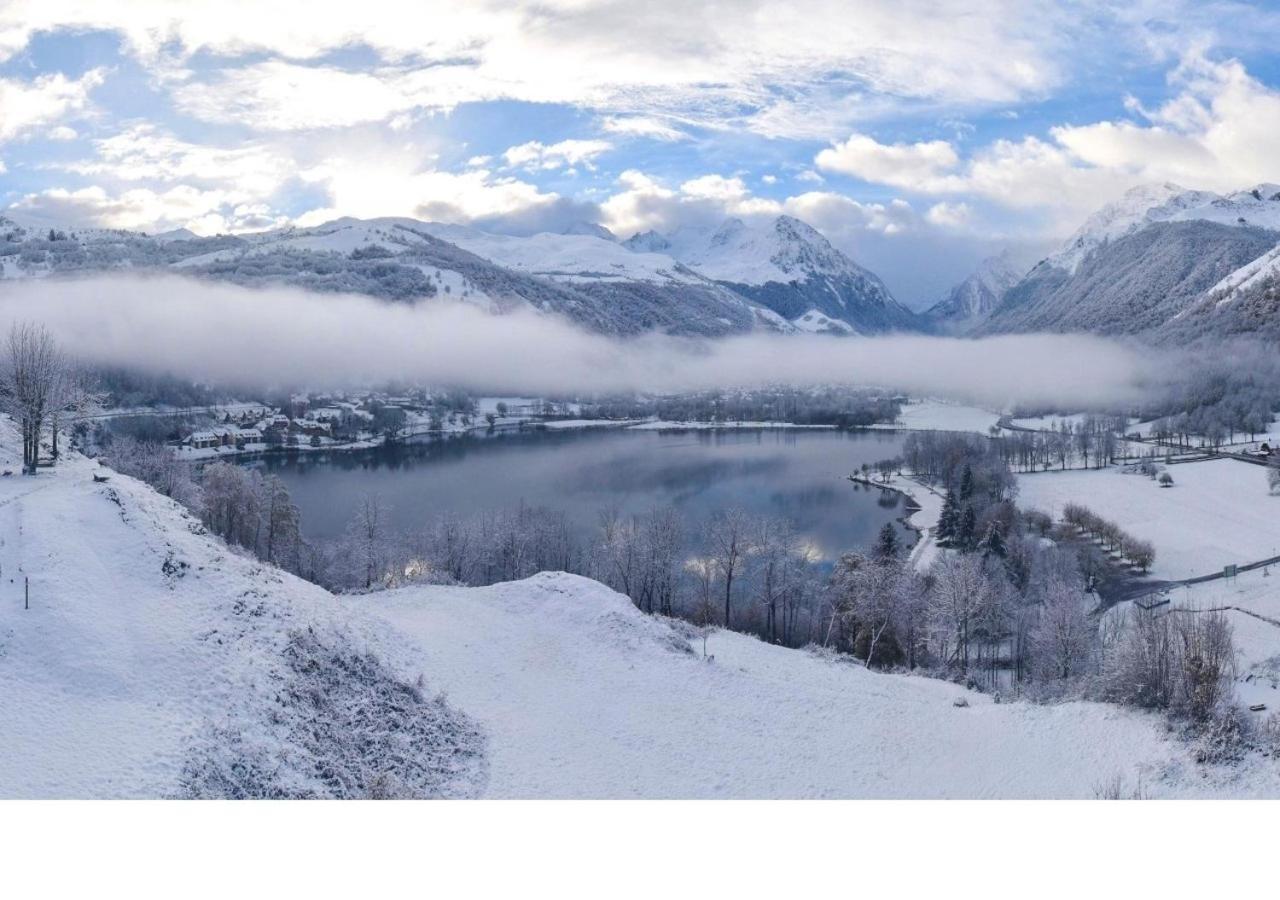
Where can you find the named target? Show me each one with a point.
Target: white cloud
(901, 165)
(62, 133)
(144, 152)
(841, 218)
(368, 188)
(537, 155)
(282, 96)
(949, 215)
(1217, 132)
(731, 63)
(142, 209)
(642, 126)
(645, 203)
(25, 105)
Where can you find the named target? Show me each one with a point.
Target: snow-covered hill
(787, 266)
(156, 662)
(1145, 261)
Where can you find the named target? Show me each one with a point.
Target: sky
(917, 136)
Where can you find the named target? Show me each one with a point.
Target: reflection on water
(794, 473)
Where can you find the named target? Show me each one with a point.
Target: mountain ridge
(582, 273)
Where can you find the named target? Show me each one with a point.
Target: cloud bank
(240, 336)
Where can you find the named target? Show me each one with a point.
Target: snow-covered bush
(344, 727)
(1182, 661)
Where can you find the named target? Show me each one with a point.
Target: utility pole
(26, 592)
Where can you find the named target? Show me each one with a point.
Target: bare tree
(729, 545)
(30, 372)
(73, 396)
(368, 535)
(155, 464)
(1063, 634)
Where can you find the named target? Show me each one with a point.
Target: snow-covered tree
(368, 536)
(31, 370)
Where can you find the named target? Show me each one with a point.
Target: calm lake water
(796, 473)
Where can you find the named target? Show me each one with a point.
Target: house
(248, 436)
(213, 438)
(204, 440)
(310, 428)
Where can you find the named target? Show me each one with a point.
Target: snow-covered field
(1044, 423)
(1218, 512)
(938, 415)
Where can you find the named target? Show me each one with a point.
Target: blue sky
(918, 136)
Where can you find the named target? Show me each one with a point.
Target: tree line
(1114, 538)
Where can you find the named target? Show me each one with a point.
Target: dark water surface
(799, 474)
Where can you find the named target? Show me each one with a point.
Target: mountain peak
(590, 229)
(980, 293)
(1166, 202)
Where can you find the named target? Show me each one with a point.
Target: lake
(796, 473)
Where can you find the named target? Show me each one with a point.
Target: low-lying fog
(229, 334)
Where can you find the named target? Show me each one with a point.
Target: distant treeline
(840, 407)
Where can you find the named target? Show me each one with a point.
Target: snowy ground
(1218, 512)
(583, 696)
(938, 415)
(1044, 423)
(575, 424)
(148, 644)
(924, 519)
(663, 425)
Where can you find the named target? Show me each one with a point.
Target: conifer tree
(887, 544)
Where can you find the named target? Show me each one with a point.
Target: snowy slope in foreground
(153, 662)
(583, 696)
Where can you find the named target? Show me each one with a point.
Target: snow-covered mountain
(789, 267)
(1145, 261)
(973, 299)
(584, 274)
(1246, 302)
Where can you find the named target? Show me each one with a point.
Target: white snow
(1149, 203)
(1245, 277)
(816, 322)
(1046, 423)
(939, 415)
(1218, 512)
(565, 257)
(781, 249)
(583, 696)
(118, 668)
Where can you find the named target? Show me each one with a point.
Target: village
(354, 420)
